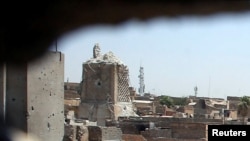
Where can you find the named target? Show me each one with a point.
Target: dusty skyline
(211, 53)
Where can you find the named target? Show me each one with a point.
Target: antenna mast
(195, 91)
(141, 82)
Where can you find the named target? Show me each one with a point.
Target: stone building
(144, 107)
(208, 107)
(187, 109)
(105, 91)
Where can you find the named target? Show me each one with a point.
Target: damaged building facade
(31, 97)
(105, 94)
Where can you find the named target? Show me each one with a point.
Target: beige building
(188, 110)
(144, 107)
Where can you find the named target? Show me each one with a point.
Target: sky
(177, 54)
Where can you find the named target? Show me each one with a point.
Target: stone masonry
(105, 91)
(104, 133)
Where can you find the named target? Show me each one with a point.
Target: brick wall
(82, 133)
(169, 120)
(188, 130)
(131, 137)
(74, 132)
(98, 82)
(156, 133)
(69, 133)
(97, 133)
(111, 133)
(133, 127)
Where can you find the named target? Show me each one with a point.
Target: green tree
(243, 107)
(180, 101)
(166, 100)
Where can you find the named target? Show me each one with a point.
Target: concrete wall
(35, 97)
(45, 95)
(16, 96)
(95, 112)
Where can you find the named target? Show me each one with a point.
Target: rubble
(105, 58)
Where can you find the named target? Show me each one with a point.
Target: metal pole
(4, 93)
(56, 45)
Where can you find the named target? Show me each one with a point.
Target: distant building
(209, 107)
(187, 109)
(144, 107)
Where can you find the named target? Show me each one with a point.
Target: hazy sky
(177, 54)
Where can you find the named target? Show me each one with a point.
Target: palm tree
(243, 107)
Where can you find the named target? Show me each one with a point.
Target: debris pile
(109, 57)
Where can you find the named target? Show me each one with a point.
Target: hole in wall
(13, 99)
(99, 83)
(48, 125)
(32, 108)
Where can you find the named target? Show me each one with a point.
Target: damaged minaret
(96, 51)
(105, 89)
